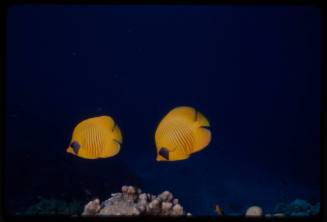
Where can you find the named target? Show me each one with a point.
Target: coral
(275, 215)
(254, 211)
(132, 202)
(92, 208)
(54, 207)
(298, 208)
(315, 209)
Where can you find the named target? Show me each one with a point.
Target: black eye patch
(75, 145)
(164, 152)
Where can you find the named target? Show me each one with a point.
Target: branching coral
(131, 202)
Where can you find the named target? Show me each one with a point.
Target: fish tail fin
(112, 149)
(117, 134)
(202, 120)
(202, 138)
(114, 146)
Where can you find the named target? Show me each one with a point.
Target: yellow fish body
(98, 137)
(180, 133)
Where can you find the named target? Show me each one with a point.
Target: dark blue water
(254, 72)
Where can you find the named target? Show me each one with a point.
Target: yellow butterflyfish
(182, 132)
(98, 137)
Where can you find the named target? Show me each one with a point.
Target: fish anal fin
(83, 153)
(202, 139)
(178, 154)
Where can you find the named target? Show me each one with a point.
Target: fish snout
(160, 158)
(70, 150)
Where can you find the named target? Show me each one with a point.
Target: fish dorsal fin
(190, 114)
(105, 121)
(182, 112)
(202, 138)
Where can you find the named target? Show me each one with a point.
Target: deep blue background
(253, 71)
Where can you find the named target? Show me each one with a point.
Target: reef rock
(298, 208)
(132, 202)
(254, 211)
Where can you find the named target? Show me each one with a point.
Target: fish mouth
(160, 158)
(70, 150)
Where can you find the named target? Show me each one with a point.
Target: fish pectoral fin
(111, 149)
(202, 139)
